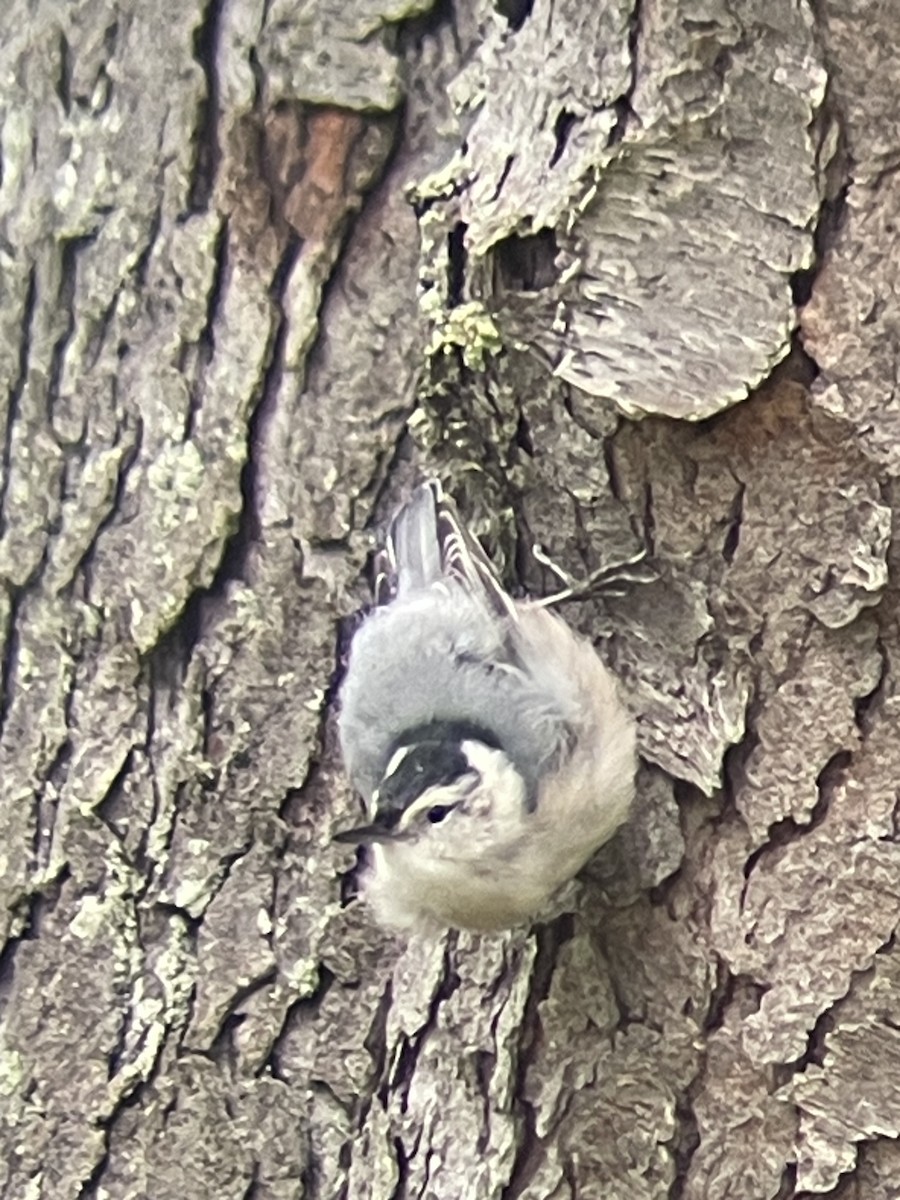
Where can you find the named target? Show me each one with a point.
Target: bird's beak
(365, 835)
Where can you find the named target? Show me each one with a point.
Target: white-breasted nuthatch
(487, 739)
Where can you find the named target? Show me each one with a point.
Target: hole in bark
(504, 175)
(524, 440)
(516, 12)
(833, 771)
(456, 262)
(564, 122)
(208, 151)
(64, 79)
(802, 285)
(735, 520)
(686, 1137)
(526, 264)
(788, 1186)
(649, 518)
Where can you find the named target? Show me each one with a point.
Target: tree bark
(625, 276)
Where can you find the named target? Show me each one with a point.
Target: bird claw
(604, 579)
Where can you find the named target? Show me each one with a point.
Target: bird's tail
(426, 542)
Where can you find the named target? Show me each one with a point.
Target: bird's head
(448, 787)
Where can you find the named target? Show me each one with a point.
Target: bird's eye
(437, 812)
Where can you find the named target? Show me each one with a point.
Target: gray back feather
(445, 647)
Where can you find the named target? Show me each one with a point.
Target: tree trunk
(625, 276)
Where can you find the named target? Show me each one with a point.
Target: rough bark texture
(261, 264)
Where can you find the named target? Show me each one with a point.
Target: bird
(491, 746)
